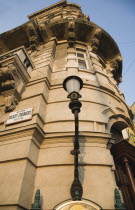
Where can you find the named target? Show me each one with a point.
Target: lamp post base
(76, 190)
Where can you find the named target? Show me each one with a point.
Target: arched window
(116, 130)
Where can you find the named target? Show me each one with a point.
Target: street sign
(19, 116)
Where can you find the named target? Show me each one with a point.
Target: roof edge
(62, 2)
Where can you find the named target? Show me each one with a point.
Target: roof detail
(64, 21)
(60, 3)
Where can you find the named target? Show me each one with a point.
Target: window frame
(82, 58)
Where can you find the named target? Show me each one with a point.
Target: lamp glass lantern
(73, 84)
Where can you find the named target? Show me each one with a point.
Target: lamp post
(73, 85)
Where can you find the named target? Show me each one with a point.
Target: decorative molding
(7, 83)
(71, 38)
(6, 78)
(114, 63)
(114, 67)
(58, 4)
(71, 32)
(73, 27)
(119, 109)
(95, 41)
(87, 17)
(14, 76)
(109, 111)
(33, 36)
(11, 98)
(45, 31)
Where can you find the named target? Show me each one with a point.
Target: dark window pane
(82, 64)
(80, 55)
(79, 49)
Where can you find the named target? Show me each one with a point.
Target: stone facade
(59, 41)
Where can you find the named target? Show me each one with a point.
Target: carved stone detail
(114, 65)
(7, 84)
(45, 31)
(71, 25)
(71, 38)
(61, 28)
(71, 32)
(10, 100)
(42, 27)
(95, 41)
(33, 36)
(111, 77)
(14, 76)
(6, 77)
(86, 17)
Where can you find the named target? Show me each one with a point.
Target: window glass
(80, 55)
(81, 58)
(80, 50)
(82, 64)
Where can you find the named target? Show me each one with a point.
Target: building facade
(36, 125)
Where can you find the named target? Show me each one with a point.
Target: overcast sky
(117, 17)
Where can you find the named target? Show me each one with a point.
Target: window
(81, 58)
(81, 64)
(80, 55)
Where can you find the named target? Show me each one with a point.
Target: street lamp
(73, 85)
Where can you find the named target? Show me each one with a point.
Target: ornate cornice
(62, 22)
(95, 41)
(61, 3)
(33, 36)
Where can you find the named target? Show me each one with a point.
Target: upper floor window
(80, 55)
(81, 58)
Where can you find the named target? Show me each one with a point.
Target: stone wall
(36, 153)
